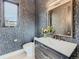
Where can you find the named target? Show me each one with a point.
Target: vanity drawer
(39, 54)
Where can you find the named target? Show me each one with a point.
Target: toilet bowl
(29, 48)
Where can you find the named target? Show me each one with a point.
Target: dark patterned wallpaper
(76, 18)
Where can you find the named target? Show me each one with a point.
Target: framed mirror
(60, 16)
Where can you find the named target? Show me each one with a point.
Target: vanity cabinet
(44, 52)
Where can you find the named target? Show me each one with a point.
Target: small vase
(45, 35)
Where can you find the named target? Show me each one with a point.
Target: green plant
(49, 29)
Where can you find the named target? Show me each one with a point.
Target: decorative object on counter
(49, 31)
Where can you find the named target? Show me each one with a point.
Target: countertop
(63, 47)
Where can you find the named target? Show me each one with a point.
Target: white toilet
(29, 48)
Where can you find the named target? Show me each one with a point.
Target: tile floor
(20, 54)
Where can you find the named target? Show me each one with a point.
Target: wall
(23, 32)
(41, 16)
(76, 20)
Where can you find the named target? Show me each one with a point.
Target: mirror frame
(57, 4)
